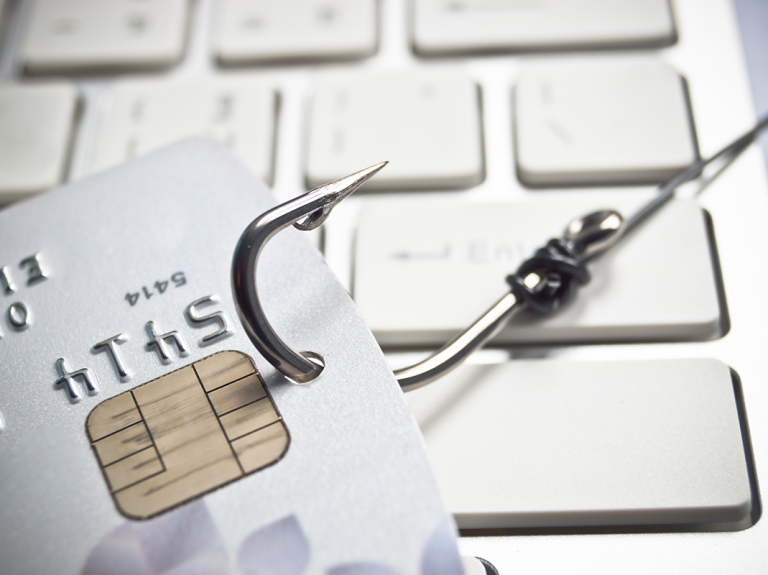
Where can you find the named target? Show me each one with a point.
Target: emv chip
(186, 433)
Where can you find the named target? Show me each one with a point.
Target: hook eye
(313, 220)
(318, 360)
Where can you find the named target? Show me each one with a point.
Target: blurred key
(139, 116)
(460, 26)
(264, 30)
(549, 443)
(35, 135)
(599, 122)
(474, 566)
(427, 124)
(425, 270)
(104, 34)
(4, 17)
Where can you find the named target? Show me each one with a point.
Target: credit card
(141, 430)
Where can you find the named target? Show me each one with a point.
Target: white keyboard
(625, 433)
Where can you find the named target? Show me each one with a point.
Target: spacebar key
(551, 443)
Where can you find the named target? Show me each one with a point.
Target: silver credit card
(141, 430)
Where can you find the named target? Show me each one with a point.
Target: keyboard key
(265, 30)
(5, 10)
(425, 270)
(35, 133)
(140, 116)
(460, 26)
(586, 443)
(427, 124)
(601, 122)
(94, 34)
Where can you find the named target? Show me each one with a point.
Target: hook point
(333, 192)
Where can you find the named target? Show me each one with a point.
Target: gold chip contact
(186, 433)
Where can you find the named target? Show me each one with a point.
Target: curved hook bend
(305, 213)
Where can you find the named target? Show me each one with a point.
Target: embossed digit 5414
(159, 287)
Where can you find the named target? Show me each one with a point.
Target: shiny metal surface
(5, 280)
(724, 157)
(160, 341)
(19, 316)
(458, 350)
(67, 380)
(305, 213)
(595, 233)
(110, 344)
(225, 325)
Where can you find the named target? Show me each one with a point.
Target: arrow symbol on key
(445, 254)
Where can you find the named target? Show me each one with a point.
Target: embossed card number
(186, 433)
(158, 340)
(18, 314)
(178, 279)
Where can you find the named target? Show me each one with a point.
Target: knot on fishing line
(559, 272)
